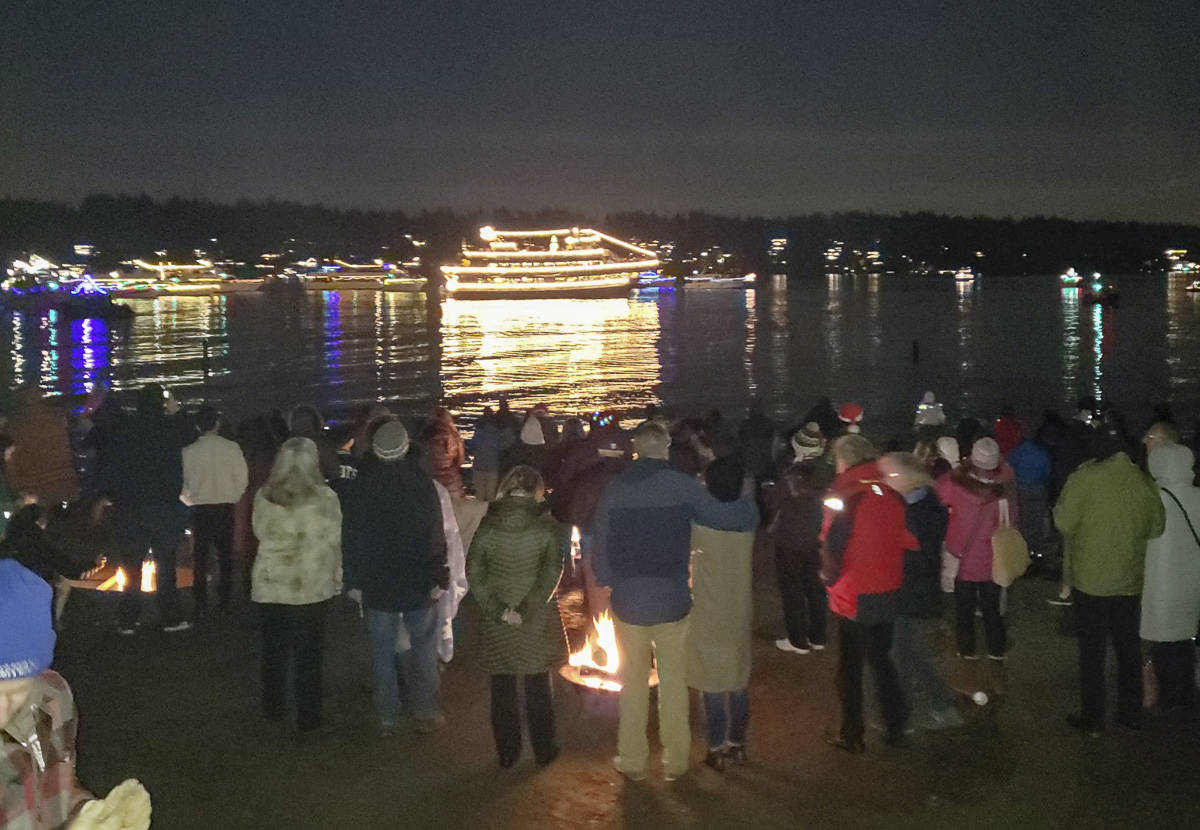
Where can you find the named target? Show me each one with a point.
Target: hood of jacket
(984, 490)
(1171, 465)
(516, 512)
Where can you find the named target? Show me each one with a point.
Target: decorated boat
(564, 262)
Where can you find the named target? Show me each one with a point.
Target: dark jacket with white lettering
(394, 548)
(643, 527)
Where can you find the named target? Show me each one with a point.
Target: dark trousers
(293, 634)
(1098, 619)
(803, 595)
(506, 715)
(870, 643)
(148, 532)
(1175, 670)
(984, 595)
(212, 527)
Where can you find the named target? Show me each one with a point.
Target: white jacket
(456, 560)
(214, 471)
(299, 557)
(1171, 596)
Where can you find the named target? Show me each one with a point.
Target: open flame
(597, 661)
(119, 580)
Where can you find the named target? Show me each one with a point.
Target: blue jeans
(915, 657)
(728, 716)
(417, 666)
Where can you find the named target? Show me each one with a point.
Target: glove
(126, 807)
(510, 617)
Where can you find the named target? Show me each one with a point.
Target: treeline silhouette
(122, 226)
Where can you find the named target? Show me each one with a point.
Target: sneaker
(427, 726)
(786, 645)
(817, 646)
(1088, 728)
(715, 759)
(182, 625)
(1060, 602)
(674, 775)
(999, 658)
(630, 774)
(962, 656)
(736, 753)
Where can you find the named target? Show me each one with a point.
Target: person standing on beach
(642, 549)
(215, 476)
(863, 561)
(297, 572)
(396, 568)
(142, 476)
(1108, 510)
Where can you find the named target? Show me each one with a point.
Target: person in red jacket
(862, 559)
(1008, 430)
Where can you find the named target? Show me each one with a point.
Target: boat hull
(535, 291)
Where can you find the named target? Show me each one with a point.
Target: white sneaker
(786, 645)
(817, 646)
(632, 776)
(182, 625)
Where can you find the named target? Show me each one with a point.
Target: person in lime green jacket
(1107, 511)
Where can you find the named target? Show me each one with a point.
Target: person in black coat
(141, 473)
(915, 629)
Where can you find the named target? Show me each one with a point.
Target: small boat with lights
(720, 281)
(1070, 278)
(966, 274)
(564, 262)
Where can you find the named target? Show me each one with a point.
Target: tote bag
(1010, 554)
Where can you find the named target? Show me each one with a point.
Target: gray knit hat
(391, 441)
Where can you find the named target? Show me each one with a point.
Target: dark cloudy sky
(1081, 109)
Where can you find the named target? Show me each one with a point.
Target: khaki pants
(668, 642)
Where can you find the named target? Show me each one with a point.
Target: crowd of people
(868, 537)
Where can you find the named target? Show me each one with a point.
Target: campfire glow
(597, 662)
(118, 580)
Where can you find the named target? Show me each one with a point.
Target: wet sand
(180, 712)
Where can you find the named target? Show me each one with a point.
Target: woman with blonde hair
(513, 568)
(298, 523)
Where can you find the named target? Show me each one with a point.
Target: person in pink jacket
(973, 493)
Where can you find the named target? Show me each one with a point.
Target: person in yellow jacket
(1107, 511)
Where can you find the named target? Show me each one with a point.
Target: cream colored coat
(299, 550)
(1171, 593)
(718, 651)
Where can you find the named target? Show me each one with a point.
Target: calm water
(1020, 340)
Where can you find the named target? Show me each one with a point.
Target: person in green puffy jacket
(1107, 511)
(513, 568)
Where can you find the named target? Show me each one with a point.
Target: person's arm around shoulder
(739, 515)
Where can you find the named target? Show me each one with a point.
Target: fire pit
(595, 666)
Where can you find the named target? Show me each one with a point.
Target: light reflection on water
(1027, 342)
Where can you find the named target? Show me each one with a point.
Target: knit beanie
(947, 447)
(806, 443)
(391, 441)
(531, 432)
(985, 454)
(26, 632)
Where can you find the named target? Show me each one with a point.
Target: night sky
(1079, 109)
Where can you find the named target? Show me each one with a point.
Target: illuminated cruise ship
(568, 262)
